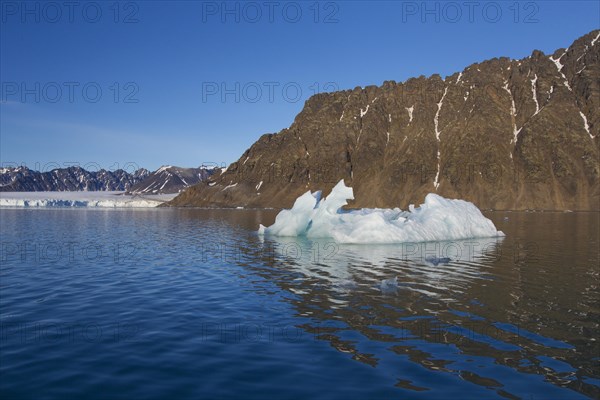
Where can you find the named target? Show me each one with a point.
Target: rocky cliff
(504, 134)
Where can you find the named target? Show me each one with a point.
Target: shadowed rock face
(503, 134)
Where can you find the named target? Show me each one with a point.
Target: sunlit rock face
(503, 134)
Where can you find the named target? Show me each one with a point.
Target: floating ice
(389, 285)
(437, 260)
(437, 219)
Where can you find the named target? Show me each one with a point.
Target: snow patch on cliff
(436, 182)
(363, 113)
(585, 124)
(410, 113)
(559, 67)
(534, 93)
(513, 113)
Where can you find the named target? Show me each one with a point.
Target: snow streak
(436, 182)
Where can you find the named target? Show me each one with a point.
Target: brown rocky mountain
(504, 134)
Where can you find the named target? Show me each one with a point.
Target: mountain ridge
(23, 179)
(167, 179)
(502, 133)
(171, 179)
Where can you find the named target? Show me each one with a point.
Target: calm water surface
(192, 303)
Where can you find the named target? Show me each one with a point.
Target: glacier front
(90, 199)
(437, 219)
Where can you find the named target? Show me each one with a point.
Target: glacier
(437, 219)
(99, 199)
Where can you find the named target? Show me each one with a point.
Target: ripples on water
(150, 303)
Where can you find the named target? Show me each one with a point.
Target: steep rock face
(23, 179)
(170, 179)
(504, 134)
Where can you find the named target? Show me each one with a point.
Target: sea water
(194, 303)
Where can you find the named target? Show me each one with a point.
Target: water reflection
(484, 318)
(432, 269)
(443, 305)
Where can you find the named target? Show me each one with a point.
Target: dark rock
(503, 134)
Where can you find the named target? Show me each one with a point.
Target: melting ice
(435, 220)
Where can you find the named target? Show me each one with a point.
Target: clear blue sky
(174, 58)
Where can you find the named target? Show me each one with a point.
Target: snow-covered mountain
(166, 179)
(171, 179)
(23, 179)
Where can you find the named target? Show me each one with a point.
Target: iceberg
(437, 219)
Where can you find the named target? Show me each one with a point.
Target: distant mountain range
(167, 179)
(23, 179)
(170, 179)
(503, 134)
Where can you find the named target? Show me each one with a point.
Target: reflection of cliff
(505, 305)
(427, 315)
